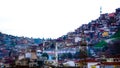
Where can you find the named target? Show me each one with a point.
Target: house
(110, 62)
(88, 63)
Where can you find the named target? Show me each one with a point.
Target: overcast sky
(49, 18)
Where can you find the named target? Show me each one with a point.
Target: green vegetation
(45, 55)
(101, 44)
(116, 35)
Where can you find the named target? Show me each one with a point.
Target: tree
(83, 54)
(114, 48)
(101, 44)
(63, 56)
(117, 34)
(45, 55)
(77, 55)
(69, 55)
(52, 45)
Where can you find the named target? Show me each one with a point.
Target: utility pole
(100, 10)
(44, 45)
(56, 53)
(101, 6)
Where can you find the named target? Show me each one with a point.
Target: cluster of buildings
(101, 29)
(13, 46)
(94, 32)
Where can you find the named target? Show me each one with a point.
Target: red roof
(112, 56)
(59, 40)
(88, 60)
(111, 15)
(110, 63)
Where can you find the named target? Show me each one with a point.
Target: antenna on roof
(100, 10)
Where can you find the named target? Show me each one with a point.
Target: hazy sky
(49, 18)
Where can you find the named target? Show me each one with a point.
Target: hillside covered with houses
(101, 37)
